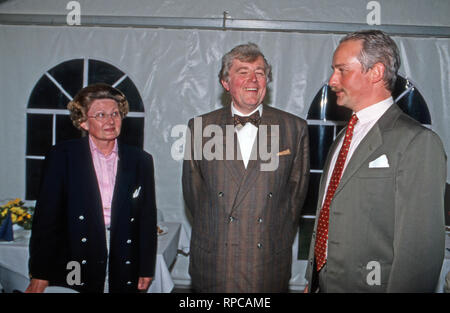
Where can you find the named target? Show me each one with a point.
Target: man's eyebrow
(339, 65)
(247, 68)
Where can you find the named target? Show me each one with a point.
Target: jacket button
(220, 194)
(128, 283)
(127, 262)
(231, 219)
(81, 217)
(132, 219)
(129, 241)
(83, 262)
(83, 239)
(259, 245)
(270, 195)
(260, 220)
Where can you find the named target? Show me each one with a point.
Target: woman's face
(104, 120)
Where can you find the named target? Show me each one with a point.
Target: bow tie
(255, 119)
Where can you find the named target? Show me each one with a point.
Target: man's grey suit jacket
(393, 215)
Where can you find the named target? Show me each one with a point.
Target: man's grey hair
(378, 47)
(244, 53)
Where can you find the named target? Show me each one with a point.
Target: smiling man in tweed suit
(246, 199)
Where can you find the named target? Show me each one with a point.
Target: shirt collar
(237, 112)
(374, 111)
(96, 150)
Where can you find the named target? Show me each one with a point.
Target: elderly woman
(94, 227)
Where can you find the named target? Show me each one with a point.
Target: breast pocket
(374, 184)
(382, 172)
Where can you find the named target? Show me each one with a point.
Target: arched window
(325, 120)
(48, 120)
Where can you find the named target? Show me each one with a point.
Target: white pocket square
(136, 192)
(380, 162)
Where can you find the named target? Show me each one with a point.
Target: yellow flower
(19, 213)
(17, 210)
(14, 202)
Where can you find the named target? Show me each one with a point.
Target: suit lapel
(254, 165)
(371, 142)
(235, 166)
(93, 197)
(121, 187)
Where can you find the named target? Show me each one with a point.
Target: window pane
(320, 139)
(324, 107)
(39, 134)
(413, 102)
(46, 95)
(33, 172)
(69, 75)
(130, 91)
(339, 128)
(133, 131)
(305, 234)
(65, 129)
(102, 72)
(313, 192)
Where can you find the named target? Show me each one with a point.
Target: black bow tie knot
(255, 119)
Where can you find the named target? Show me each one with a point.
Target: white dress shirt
(247, 134)
(366, 120)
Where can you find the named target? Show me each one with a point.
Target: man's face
(246, 84)
(107, 129)
(351, 84)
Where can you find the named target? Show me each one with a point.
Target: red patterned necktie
(322, 227)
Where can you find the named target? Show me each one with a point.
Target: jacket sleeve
(419, 235)
(147, 227)
(49, 219)
(192, 179)
(299, 177)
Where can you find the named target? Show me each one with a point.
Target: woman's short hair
(83, 100)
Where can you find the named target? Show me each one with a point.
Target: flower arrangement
(20, 214)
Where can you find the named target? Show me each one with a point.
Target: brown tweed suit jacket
(245, 220)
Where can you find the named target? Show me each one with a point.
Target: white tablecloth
(14, 259)
(446, 265)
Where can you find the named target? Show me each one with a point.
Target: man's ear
(225, 84)
(377, 72)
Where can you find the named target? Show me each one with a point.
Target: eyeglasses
(102, 116)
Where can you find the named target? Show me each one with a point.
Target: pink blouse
(106, 170)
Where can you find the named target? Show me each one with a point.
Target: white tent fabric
(175, 71)
(395, 12)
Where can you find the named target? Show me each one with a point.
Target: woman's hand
(37, 286)
(144, 283)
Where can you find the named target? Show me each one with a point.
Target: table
(165, 257)
(14, 259)
(446, 264)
